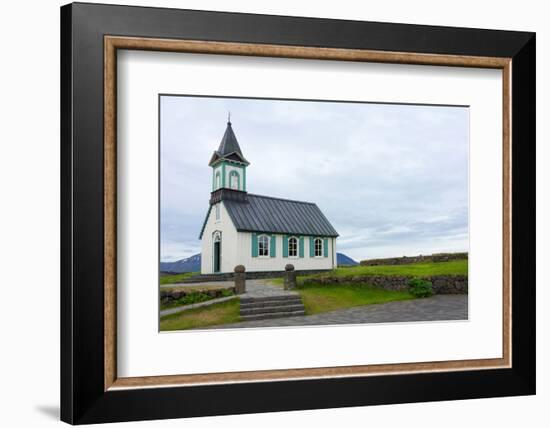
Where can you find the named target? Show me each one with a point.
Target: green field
(219, 313)
(174, 279)
(454, 267)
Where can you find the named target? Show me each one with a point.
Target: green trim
(325, 247)
(217, 173)
(301, 247)
(220, 166)
(311, 246)
(285, 245)
(230, 161)
(254, 245)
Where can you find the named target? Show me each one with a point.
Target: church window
(292, 247)
(318, 245)
(263, 245)
(218, 180)
(217, 211)
(234, 180)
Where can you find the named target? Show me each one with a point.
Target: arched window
(292, 247)
(263, 245)
(234, 180)
(218, 180)
(318, 246)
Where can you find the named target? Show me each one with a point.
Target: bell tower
(228, 164)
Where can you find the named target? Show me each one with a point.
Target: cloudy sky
(392, 179)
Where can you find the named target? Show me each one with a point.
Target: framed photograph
(266, 213)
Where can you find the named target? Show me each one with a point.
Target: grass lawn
(220, 313)
(453, 267)
(174, 279)
(330, 298)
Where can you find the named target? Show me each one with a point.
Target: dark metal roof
(275, 215)
(229, 147)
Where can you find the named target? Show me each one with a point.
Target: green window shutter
(254, 245)
(285, 246)
(325, 247)
(273, 245)
(311, 246)
(301, 247)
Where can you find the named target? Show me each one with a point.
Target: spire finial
(229, 117)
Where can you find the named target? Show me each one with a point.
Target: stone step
(262, 304)
(272, 315)
(267, 299)
(271, 305)
(272, 309)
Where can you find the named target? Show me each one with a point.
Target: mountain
(190, 264)
(193, 264)
(343, 260)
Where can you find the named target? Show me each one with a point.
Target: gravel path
(263, 288)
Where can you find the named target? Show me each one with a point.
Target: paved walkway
(205, 285)
(263, 288)
(435, 308)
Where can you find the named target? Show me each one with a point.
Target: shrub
(194, 297)
(226, 292)
(420, 287)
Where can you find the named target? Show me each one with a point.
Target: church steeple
(228, 163)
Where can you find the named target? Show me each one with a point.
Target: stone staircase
(268, 307)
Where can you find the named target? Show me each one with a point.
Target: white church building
(263, 233)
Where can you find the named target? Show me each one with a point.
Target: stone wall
(249, 275)
(405, 260)
(442, 284)
(171, 295)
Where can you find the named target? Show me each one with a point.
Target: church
(263, 233)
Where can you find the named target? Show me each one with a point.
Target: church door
(217, 253)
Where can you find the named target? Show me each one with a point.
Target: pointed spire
(229, 143)
(229, 146)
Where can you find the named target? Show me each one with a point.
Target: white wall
(229, 257)
(236, 249)
(258, 264)
(30, 236)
